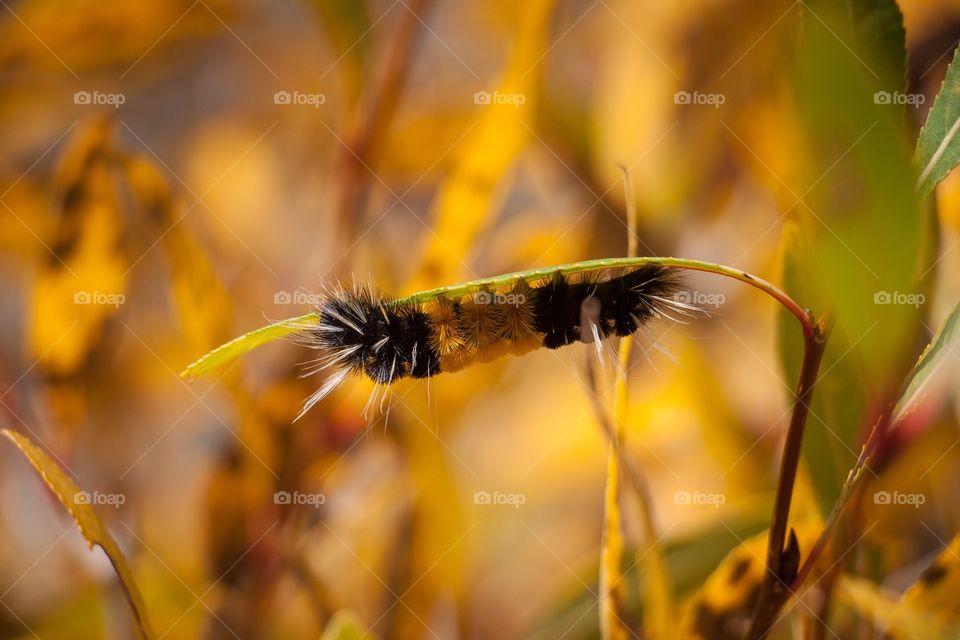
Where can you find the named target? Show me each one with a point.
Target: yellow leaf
(936, 590)
(110, 34)
(725, 603)
(344, 625)
(202, 302)
(92, 528)
(83, 285)
(898, 619)
(612, 624)
(464, 203)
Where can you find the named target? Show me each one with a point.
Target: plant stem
(806, 319)
(612, 589)
(775, 586)
(362, 142)
(850, 494)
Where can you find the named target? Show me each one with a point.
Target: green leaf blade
(938, 148)
(931, 369)
(230, 351)
(856, 199)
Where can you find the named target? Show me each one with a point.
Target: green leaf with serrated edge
(938, 148)
(89, 523)
(931, 368)
(858, 200)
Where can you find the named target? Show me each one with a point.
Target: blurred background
(175, 173)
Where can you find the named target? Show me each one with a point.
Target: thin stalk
(775, 585)
(850, 494)
(361, 145)
(627, 460)
(806, 318)
(612, 593)
(612, 590)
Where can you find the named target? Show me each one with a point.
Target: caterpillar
(361, 332)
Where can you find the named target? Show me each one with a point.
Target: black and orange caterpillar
(359, 331)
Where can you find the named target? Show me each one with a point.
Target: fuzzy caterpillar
(359, 331)
(364, 333)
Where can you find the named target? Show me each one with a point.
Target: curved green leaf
(855, 199)
(932, 367)
(938, 149)
(240, 345)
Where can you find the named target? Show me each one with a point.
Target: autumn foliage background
(264, 147)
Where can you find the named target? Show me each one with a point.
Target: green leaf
(465, 205)
(856, 200)
(881, 39)
(839, 401)
(938, 149)
(232, 350)
(931, 369)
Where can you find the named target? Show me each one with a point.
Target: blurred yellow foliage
(177, 173)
